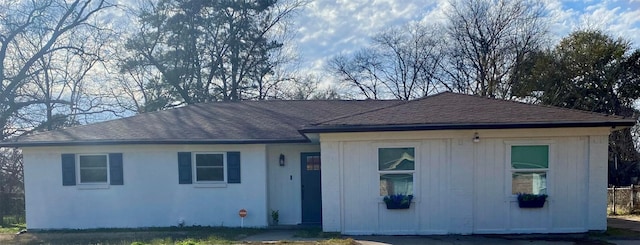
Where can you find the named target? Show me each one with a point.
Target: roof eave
(470, 126)
(18, 144)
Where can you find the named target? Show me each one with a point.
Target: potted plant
(275, 217)
(531, 200)
(398, 201)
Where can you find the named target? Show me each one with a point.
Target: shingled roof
(248, 122)
(461, 111)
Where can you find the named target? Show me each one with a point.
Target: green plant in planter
(526, 200)
(398, 201)
(275, 217)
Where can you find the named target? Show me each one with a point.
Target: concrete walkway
(274, 236)
(449, 240)
(624, 222)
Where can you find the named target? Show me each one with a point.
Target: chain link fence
(623, 199)
(11, 209)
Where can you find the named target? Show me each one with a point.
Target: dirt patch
(627, 217)
(79, 238)
(89, 237)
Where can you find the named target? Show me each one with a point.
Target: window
(396, 167)
(313, 163)
(529, 167)
(209, 167)
(93, 169)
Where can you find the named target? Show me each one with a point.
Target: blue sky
(326, 28)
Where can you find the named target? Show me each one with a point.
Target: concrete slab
(623, 222)
(271, 236)
(274, 236)
(624, 242)
(447, 240)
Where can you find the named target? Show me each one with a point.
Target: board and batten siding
(462, 187)
(150, 195)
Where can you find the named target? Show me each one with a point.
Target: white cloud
(327, 28)
(330, 27)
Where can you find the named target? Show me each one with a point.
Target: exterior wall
(284, 181)
(150, 196)
(462, 187)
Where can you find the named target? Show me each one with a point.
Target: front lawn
(11, 228)
(12, 224)
(155, 236)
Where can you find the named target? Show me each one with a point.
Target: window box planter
(531, 200)
(398, 201)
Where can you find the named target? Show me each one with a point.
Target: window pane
(93, 161)
(92, 175)
(313, 163)
(530, 156)
(396, 184)
(396, 159)
(209, 174)
(210, 160)
(532, 183)
(93, 169)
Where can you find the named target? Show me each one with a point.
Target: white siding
(597, 177)
(150, 196)
(332, 194)
(490, 190)
(464, 187)
(284, 181)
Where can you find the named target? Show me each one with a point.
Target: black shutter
(115, 169)
(184, 168)
(233, 167)
(68, 169)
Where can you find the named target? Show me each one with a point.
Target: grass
(188, 241)
(152, 236)
(337, 241)
(163, 235)
(12, 224)
(12, 228)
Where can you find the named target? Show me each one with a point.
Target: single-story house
(463, 158)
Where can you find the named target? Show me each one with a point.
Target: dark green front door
(311, 188)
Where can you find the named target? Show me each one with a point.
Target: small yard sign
(242, 213)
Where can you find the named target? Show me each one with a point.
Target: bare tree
(45, 53)
(488, 41)
(306, 87)
(47, 50)
(402, 63)
(358, 72)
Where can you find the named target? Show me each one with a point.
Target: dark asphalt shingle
(451, 108)
(216, 122)
(282, 121)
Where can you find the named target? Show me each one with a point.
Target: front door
(311, 188)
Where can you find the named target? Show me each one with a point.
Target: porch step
(294, 227)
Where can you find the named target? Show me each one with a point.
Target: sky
(326, 28)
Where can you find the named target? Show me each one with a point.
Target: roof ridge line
(545, 106)
(400, 102)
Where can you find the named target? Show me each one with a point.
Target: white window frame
(79, 172)
(210, 183)
(509, 178)
(412, 172)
